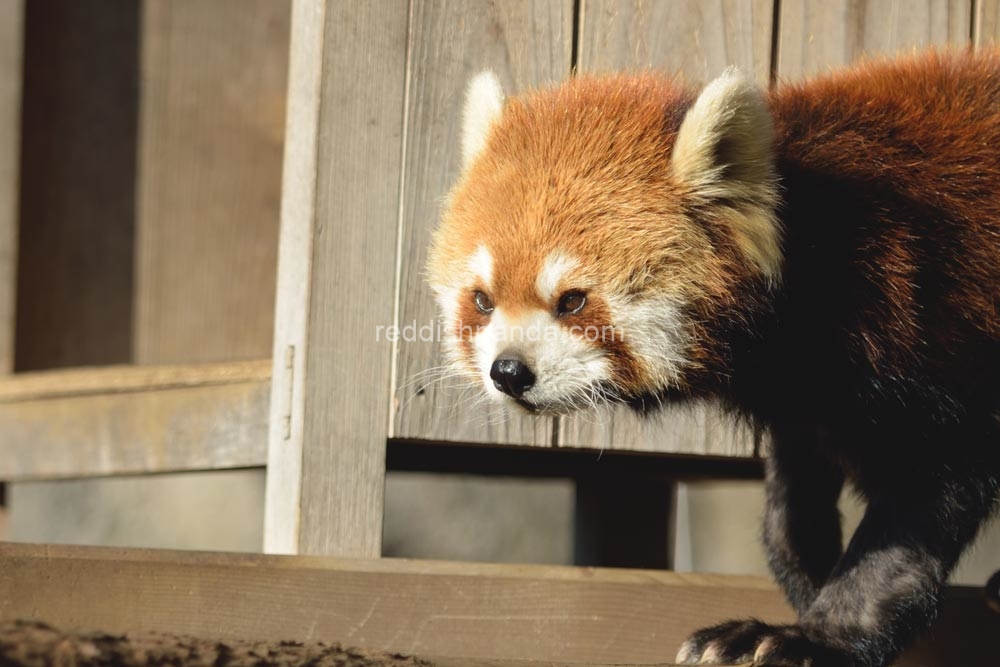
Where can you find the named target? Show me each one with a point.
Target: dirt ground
(35, 644)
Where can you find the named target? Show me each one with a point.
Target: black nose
(512, 376)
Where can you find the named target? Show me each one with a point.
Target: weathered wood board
(986, 23)
(458, 611)
(697, 39)
(11, 62)
(337, 261)
(817, 35)
(434, 608)
(211, 131)
(130, 420)
(526, 44)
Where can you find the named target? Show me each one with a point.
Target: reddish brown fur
(600, 191)
(923, 136)
(532, 192)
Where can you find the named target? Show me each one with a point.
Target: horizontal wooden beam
(122, 379)
(554, 615)
(114, 420)
(131, 420)
(467, 610)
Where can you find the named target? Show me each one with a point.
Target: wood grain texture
(816, 35)
(526, 44)
(460, 612)
(695, 429)
(295, 252)
(986, 23)
(699, 39)
(339, 233)
(123, 379)
(11, 60)
(211, 127)
(116, 421)
(78, 175)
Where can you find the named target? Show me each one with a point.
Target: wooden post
(329, 412)
(11, 36)
(11, 60)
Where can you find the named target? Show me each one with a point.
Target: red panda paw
(751, 641)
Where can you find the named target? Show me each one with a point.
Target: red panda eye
(571, 303)
(483, 303)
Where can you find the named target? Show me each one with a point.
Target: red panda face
(577, 251)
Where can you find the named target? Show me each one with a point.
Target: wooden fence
(367, 136)
(155, 154)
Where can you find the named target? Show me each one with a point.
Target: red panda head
(593, 229)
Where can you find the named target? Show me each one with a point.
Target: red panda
(822, 258)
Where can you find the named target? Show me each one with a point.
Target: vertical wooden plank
(986, 23)
(698, 39)
(295, 250)
(816, 35)
(211, 126)
(77, 198)
(4, 518)
(11, 35)
(336, 284)
(526, 44)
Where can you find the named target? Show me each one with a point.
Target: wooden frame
(11, 67)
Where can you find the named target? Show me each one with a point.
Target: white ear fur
(725, 153)
(483, 103)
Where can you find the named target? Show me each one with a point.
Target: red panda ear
(484, 101)
(725, 154)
